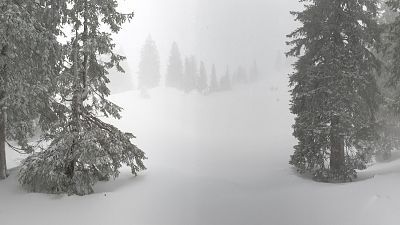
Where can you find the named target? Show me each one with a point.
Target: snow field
(215, 160)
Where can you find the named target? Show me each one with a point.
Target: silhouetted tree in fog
(149, 67)
(190, 74)
(174, 76)
(254, 73)
(225, 81)
(213, 80)
(201, 83)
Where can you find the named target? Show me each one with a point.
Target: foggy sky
(224, 32)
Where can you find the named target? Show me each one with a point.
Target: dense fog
(210, 123)
(223, 32)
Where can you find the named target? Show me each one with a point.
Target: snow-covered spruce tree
(149, 66)
(201, 83)
(28, 58)
(83, 149)
(174, 74)
(334, 95)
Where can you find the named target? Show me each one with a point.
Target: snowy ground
(216, 160)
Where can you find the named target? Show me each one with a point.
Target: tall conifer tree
(213, 79)
(28, 59)
(225, 81)
(149, 66)
(334, 95)
(254, 72)
(202, 79)
(190, 74)
(83, 149)
(174, 74)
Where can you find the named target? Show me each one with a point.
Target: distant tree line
(187, 73)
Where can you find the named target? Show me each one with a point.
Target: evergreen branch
(18, 150)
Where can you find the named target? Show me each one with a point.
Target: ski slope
(215, 160)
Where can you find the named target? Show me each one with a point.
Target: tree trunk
(3, 165)
(3, 115)
(75, 108)
(337, 145)
(81, 91)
